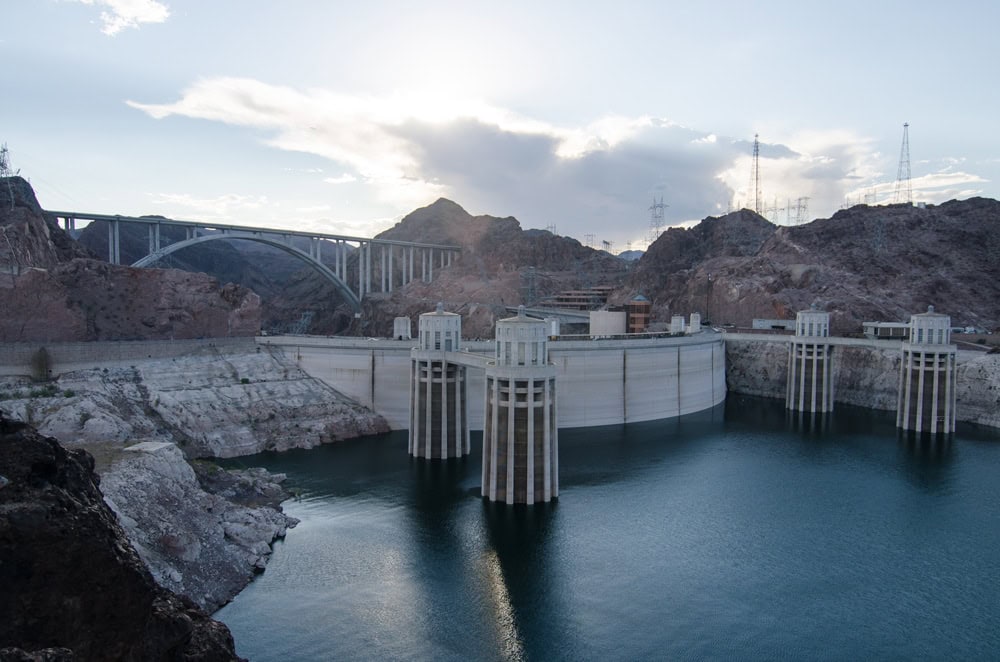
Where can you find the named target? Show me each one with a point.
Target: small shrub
(69, 393)
(244, 381)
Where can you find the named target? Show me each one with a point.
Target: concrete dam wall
(598, 382)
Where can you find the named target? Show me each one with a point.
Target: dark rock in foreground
(69, 577)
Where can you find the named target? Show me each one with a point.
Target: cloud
(121, 14)
(595, 178)
(220, 208)
(345, 178)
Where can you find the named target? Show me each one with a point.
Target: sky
(342, 117)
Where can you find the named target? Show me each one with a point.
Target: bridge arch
(323, 270)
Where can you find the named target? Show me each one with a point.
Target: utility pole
(904, 192)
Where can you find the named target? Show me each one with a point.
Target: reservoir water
(737, 534)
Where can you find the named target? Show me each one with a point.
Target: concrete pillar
(361, 270)
(810, 368)
(382, 266)
(926, 401)
(520, 446)
(392, 249)
(114, 242)
(439, 422)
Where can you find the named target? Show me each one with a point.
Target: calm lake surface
(736, 533)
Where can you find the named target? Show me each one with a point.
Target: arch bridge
(415, 260)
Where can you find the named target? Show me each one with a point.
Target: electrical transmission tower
(6, 172)
(755, 177)
(904, 192)
(802, 210)
(589, 238)
(656, 217)
(551, 227)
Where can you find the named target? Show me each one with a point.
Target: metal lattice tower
(904, 192)
(6, 172)
(802, 210)
(755, 177)
(656, 219)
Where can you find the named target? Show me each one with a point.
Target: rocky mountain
(864, 263)
(73, 585)
(53, 289)
(501, 265)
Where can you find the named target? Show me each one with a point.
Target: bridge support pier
(520, 435)
(439, 420)
(114, 243)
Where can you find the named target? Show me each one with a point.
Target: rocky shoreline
(202, 532)
(865, 377)
(73, 586)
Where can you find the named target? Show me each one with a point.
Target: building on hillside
(639, 310)
(886, 330)
(775, 325)
(402, 328)
(607, 323)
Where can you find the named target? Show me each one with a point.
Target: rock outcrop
(210, 404)
(69, 577)
(197, 544)
(52, 290)
(29, 238)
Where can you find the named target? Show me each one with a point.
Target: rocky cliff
(210, 403)
(865, 377)
(865, 263)
(195, 543)
(50, 290)
(70, 578)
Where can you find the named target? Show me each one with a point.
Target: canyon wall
(865, 376)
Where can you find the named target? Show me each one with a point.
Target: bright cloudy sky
(345, 116)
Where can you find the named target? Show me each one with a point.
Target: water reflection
(524, 577)
(927, 460)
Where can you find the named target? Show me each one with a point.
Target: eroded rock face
(28, 238)
(69, 576)
(93, 300)
(210, 404)
(197, 544)
(865, 377)
(865, 263)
